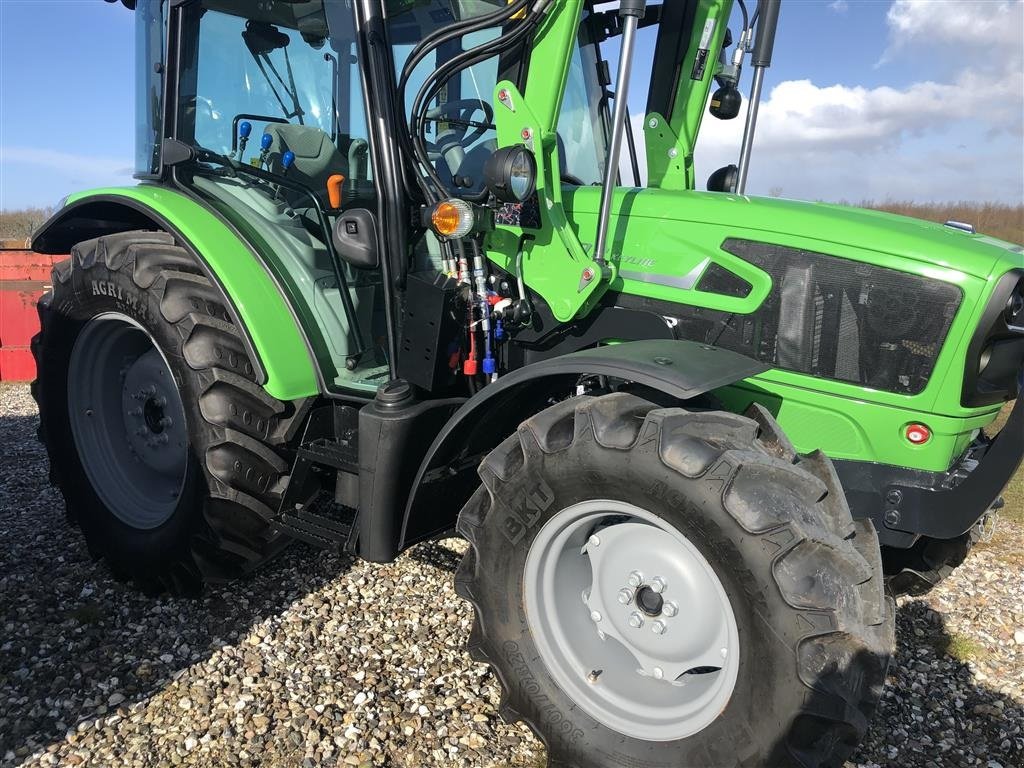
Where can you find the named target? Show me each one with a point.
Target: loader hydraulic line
(631, 12)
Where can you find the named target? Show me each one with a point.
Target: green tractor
(391, 273)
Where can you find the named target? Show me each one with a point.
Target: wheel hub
(668, 647)
(127, 420)
(652, 650)
(154, 435)
(153, 413)
(649, 601)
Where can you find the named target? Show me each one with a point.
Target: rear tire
(803, 581)
(234, 468)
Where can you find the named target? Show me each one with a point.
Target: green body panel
(673, 236)
(670, 145)
(855, 428)
(553, 256)
(261, 307)
(662, 238)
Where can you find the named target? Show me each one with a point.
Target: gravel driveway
(322, 661)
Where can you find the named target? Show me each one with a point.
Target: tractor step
(322, 522)
(340, 454)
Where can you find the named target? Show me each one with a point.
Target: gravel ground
(322, 661)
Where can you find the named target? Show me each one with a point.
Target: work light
(511, 174)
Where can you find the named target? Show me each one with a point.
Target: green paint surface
(668, 234)
(662, 236)
(260, 305)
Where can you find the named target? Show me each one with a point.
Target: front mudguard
(682, 370)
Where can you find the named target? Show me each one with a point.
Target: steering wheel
(460, 113)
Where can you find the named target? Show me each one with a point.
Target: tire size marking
(530, 691)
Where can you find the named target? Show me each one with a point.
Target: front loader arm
(675, 115)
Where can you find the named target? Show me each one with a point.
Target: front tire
(800, 582)
(169, 455)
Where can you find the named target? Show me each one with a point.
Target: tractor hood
(850, 295)
(644, 218)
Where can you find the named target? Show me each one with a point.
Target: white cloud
(991, 27)
(855, 118)
(840, 141)
(932, 139)
(839, 6)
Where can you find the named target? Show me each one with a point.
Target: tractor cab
(260, 111)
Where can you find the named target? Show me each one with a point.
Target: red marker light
(918, 434)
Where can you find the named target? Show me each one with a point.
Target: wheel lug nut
(636, 620)
(595, 616)
(137, 413)
(670, 609)
(659, 673)
(635, 579)
(625, 596)
(166, 421)
(594, 541)
(658, 584)
(658, 627)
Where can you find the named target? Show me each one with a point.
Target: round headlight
(511, 174)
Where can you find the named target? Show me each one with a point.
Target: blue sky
(866, 99)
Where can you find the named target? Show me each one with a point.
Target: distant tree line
(19, 225)
(996, 219)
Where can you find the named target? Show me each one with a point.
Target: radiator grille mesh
(832, 317)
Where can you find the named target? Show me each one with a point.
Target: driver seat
(316, 157)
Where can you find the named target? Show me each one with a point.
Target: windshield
(458, 127)
(584, 123)
(262, 80)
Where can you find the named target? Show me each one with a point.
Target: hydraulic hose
(429, 43)
(435, 81)
(459, 29)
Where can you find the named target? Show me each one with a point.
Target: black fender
(681, 370)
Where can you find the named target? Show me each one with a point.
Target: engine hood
(779, 220)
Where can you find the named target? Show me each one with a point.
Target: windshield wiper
(261, 39)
